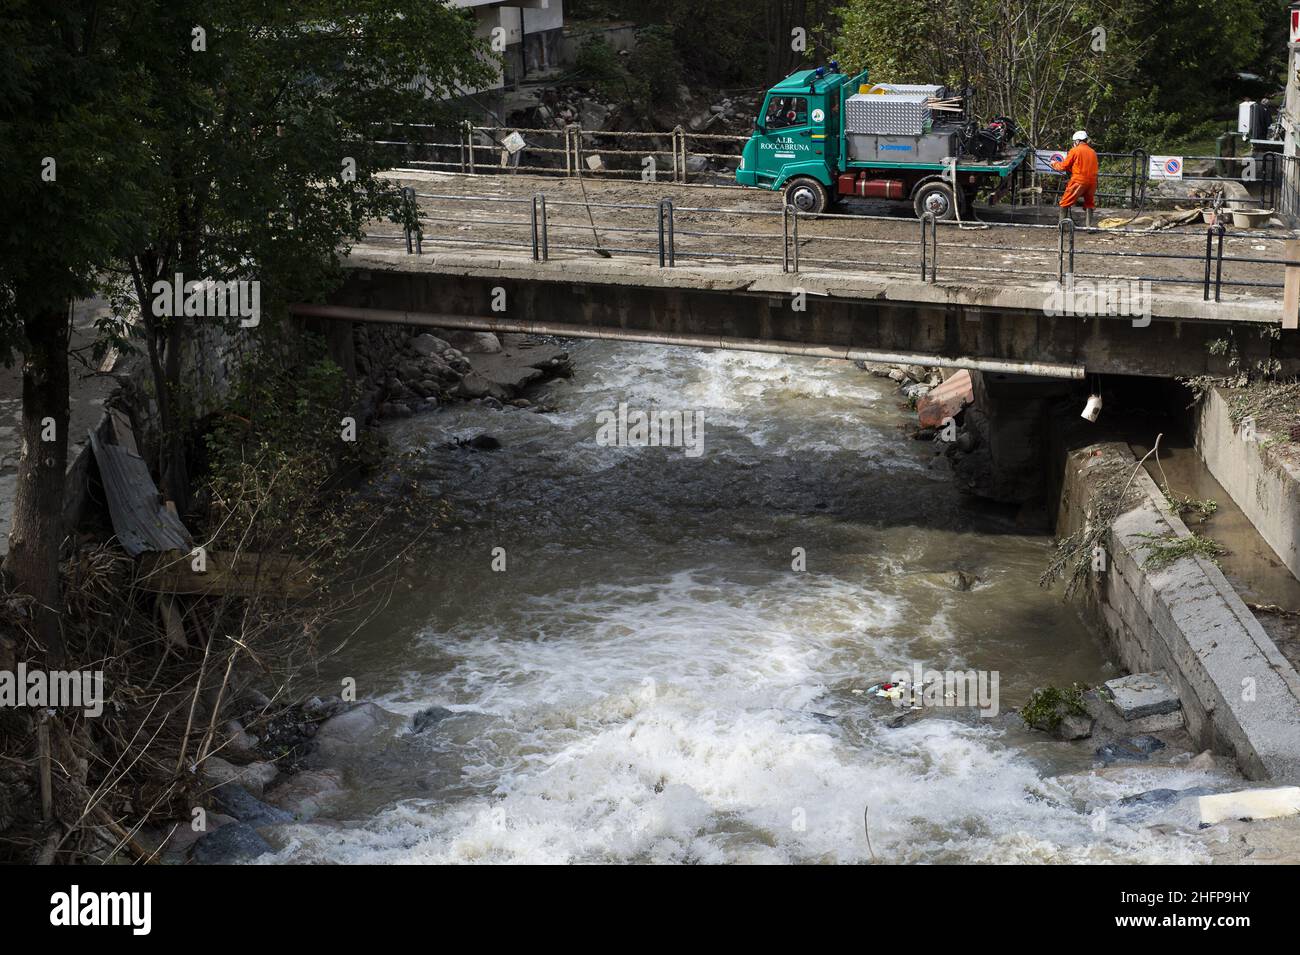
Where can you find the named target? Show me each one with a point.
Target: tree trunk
(36, 533)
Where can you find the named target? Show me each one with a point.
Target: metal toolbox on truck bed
(892, 114)
(932, 147)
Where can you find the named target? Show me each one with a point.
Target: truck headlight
(742, 163)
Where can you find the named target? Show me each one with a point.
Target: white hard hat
(1080, 136)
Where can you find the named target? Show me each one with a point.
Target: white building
(525, 34)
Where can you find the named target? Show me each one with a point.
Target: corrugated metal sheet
(140, 520)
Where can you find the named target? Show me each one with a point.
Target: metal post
(667, 241)
(679, 154)
(537, 245)
(577, 149)
(406, 217)
(791, 224)
(1218, 273)
(929, 219)
(469, 139)
(540, 200)
(1061, 230)
(1209, 246)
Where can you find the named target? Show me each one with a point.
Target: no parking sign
(1043, 159)
(1165, 167)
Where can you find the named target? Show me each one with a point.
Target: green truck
(822, 136)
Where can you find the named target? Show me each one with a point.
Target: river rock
(306, 793)
(429, 716)
(1142, 694)
(427, 345)
(1073, 726)
(365, 726)
(475, 385)
(218, 772)
(1136, 748)
(394, 409)
(237, 842)
(474, 343)
(241, 746)
(244, 806)
(1163, 797)
(1203, 763)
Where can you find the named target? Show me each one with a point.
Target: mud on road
(722, 225)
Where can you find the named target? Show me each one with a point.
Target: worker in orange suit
(1081, 163)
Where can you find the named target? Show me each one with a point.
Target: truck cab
(797, 135)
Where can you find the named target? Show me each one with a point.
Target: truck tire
(807, 195)
(935, 196)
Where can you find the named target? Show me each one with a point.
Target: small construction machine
(822, 136)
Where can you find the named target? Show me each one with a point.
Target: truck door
(788, 131)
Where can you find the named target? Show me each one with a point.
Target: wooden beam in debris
(140, 520)
(225, 574)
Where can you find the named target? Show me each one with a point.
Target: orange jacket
(1081, 163)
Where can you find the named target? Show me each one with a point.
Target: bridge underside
(994, 338)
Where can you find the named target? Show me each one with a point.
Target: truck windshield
(783, 111)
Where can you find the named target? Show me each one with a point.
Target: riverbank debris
(226, 573)
(141, 520)
(1250, 804)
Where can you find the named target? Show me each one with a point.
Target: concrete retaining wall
(1266, 488)
(1240, 696)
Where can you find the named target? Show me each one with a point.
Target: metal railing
(710, 158)
(545, 235)
(632, 154)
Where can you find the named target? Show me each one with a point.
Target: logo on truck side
(784, 144)
(895, 149)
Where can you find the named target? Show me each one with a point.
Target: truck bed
(1002, 165)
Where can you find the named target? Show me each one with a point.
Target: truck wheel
(935, 197)
(807, 195)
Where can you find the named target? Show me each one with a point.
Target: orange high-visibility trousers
(1074, 191)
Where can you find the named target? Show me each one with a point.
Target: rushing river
(650, 680)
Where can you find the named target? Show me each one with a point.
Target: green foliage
(66, 96)
(1183, 504)
(1166, 72)
(1046, 707)
(653, 62)
(275, 451)
(597, 65)
(1165, 549)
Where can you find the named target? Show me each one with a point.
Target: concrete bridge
(740, 274)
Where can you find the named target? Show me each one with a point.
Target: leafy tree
(1049, 64)
(265, 116)
(73, 173)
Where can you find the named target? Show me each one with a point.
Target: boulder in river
(235, 842)
(430, 716)
(475, 343)
(364, 727)
(306, 793)
(244, 806)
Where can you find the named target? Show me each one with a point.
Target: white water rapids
(649, 680)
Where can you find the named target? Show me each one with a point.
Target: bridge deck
(492, 215)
